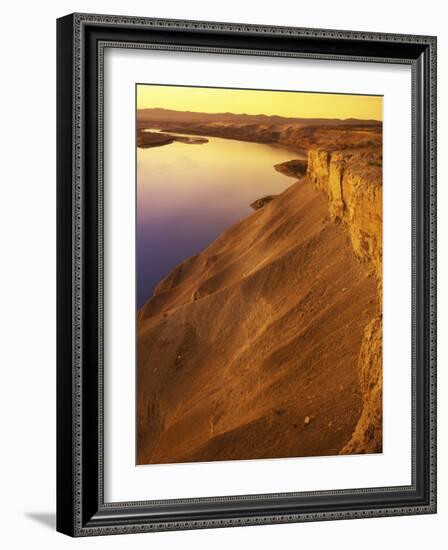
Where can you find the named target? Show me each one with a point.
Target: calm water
(187, 195)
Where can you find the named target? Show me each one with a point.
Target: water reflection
(187, 195)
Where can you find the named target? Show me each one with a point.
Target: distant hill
(168, 115)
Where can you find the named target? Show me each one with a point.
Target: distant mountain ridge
(170, 115)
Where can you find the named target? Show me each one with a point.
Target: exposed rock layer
(352, 180)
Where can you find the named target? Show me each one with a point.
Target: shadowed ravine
(268, 342)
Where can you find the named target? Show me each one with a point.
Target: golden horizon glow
(260, 102)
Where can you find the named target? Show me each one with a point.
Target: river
(187, 195)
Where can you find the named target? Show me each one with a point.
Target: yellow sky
(254, 102)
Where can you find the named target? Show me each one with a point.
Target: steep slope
(251, 348)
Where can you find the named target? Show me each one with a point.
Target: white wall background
(27, 272)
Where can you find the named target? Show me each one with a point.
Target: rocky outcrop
(368, 434)
(295, 168)
(331, 137)
(259, 203)
(352, 181)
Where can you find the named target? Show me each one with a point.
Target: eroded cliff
(352, 181)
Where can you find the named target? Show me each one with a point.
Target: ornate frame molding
(74, 505)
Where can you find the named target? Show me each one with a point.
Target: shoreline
(298, 138)
(258, 203)
(301, 152)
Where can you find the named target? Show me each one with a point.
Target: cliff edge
(352, 181)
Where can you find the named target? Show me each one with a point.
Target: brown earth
(252, 348)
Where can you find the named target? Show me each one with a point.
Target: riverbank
(300, 134)
(187, 195)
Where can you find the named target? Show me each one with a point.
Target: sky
(255, 102)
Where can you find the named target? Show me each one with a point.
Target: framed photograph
(246, 274)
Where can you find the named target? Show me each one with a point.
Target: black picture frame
(81, 510)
